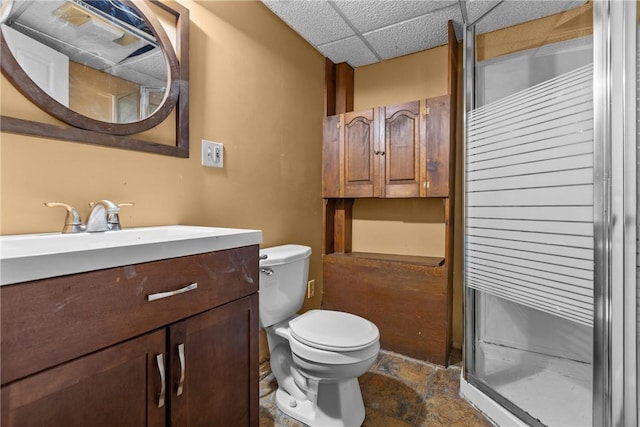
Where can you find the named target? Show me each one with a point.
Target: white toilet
(318, 356)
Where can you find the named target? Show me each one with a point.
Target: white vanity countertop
(28, 257)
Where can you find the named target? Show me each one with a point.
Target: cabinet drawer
(47, 322)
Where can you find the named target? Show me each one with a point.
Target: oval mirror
(101, 65)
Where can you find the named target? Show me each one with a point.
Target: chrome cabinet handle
(160, 363)
(161, 295)
(264, 256)
(182, 369)
(266, 271)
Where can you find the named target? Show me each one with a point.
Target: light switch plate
(212, 154)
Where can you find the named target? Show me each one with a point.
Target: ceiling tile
(351, 50)
(372, 15)
(316, 21)
(414, 35)
(477, 8)
(399, 27)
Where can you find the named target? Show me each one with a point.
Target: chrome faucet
(104, 216)
(72, 222)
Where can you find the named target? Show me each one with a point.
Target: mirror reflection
(99, 58)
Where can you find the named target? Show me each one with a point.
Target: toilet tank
(283, 282)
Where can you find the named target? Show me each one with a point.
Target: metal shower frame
(615, 339)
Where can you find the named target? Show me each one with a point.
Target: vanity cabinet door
(214, 367)
(119, 386)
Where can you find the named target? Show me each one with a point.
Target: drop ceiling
(363, 32)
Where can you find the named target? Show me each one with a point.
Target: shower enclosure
(551, 264)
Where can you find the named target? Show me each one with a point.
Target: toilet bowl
(318, 356)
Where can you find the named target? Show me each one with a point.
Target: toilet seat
(322, 336)
(333, 330)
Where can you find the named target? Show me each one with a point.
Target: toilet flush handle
(266, 271)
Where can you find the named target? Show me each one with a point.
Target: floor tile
(391, 397)
(448, 411)
(410, 372)
(444, 381)
(397, 392)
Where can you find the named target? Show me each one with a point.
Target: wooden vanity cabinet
(91, 349)
(393, 151)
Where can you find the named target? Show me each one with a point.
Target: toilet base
(339, 404)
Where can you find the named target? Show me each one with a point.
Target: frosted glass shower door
(529, 231)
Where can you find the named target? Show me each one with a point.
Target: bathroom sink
(37, 256)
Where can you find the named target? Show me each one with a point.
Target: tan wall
(255, 86)
(406, 78)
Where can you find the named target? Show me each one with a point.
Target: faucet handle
(114, 221)
(107, 204)
(73, 222)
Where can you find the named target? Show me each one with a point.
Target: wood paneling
(439, 145)
(406, 297)
(331, 166)
(342, 225)
(344, 88)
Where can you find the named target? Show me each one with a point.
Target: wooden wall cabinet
(405, 150)
(393, 151)
(90, 349)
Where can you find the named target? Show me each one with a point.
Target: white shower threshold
(556, 391)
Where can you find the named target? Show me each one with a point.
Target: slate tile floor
(397, 392)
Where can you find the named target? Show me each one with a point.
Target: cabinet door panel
(220, 367)
(331, 165)
(401, 153)
(439, 146)
(358, 142)
(108, 388)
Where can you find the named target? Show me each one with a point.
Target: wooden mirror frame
(87, 130)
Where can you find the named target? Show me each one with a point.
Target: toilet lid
(333, 330)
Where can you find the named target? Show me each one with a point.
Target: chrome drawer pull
(161, 295)
(160, 363)
(181, 357)
(266, 271)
